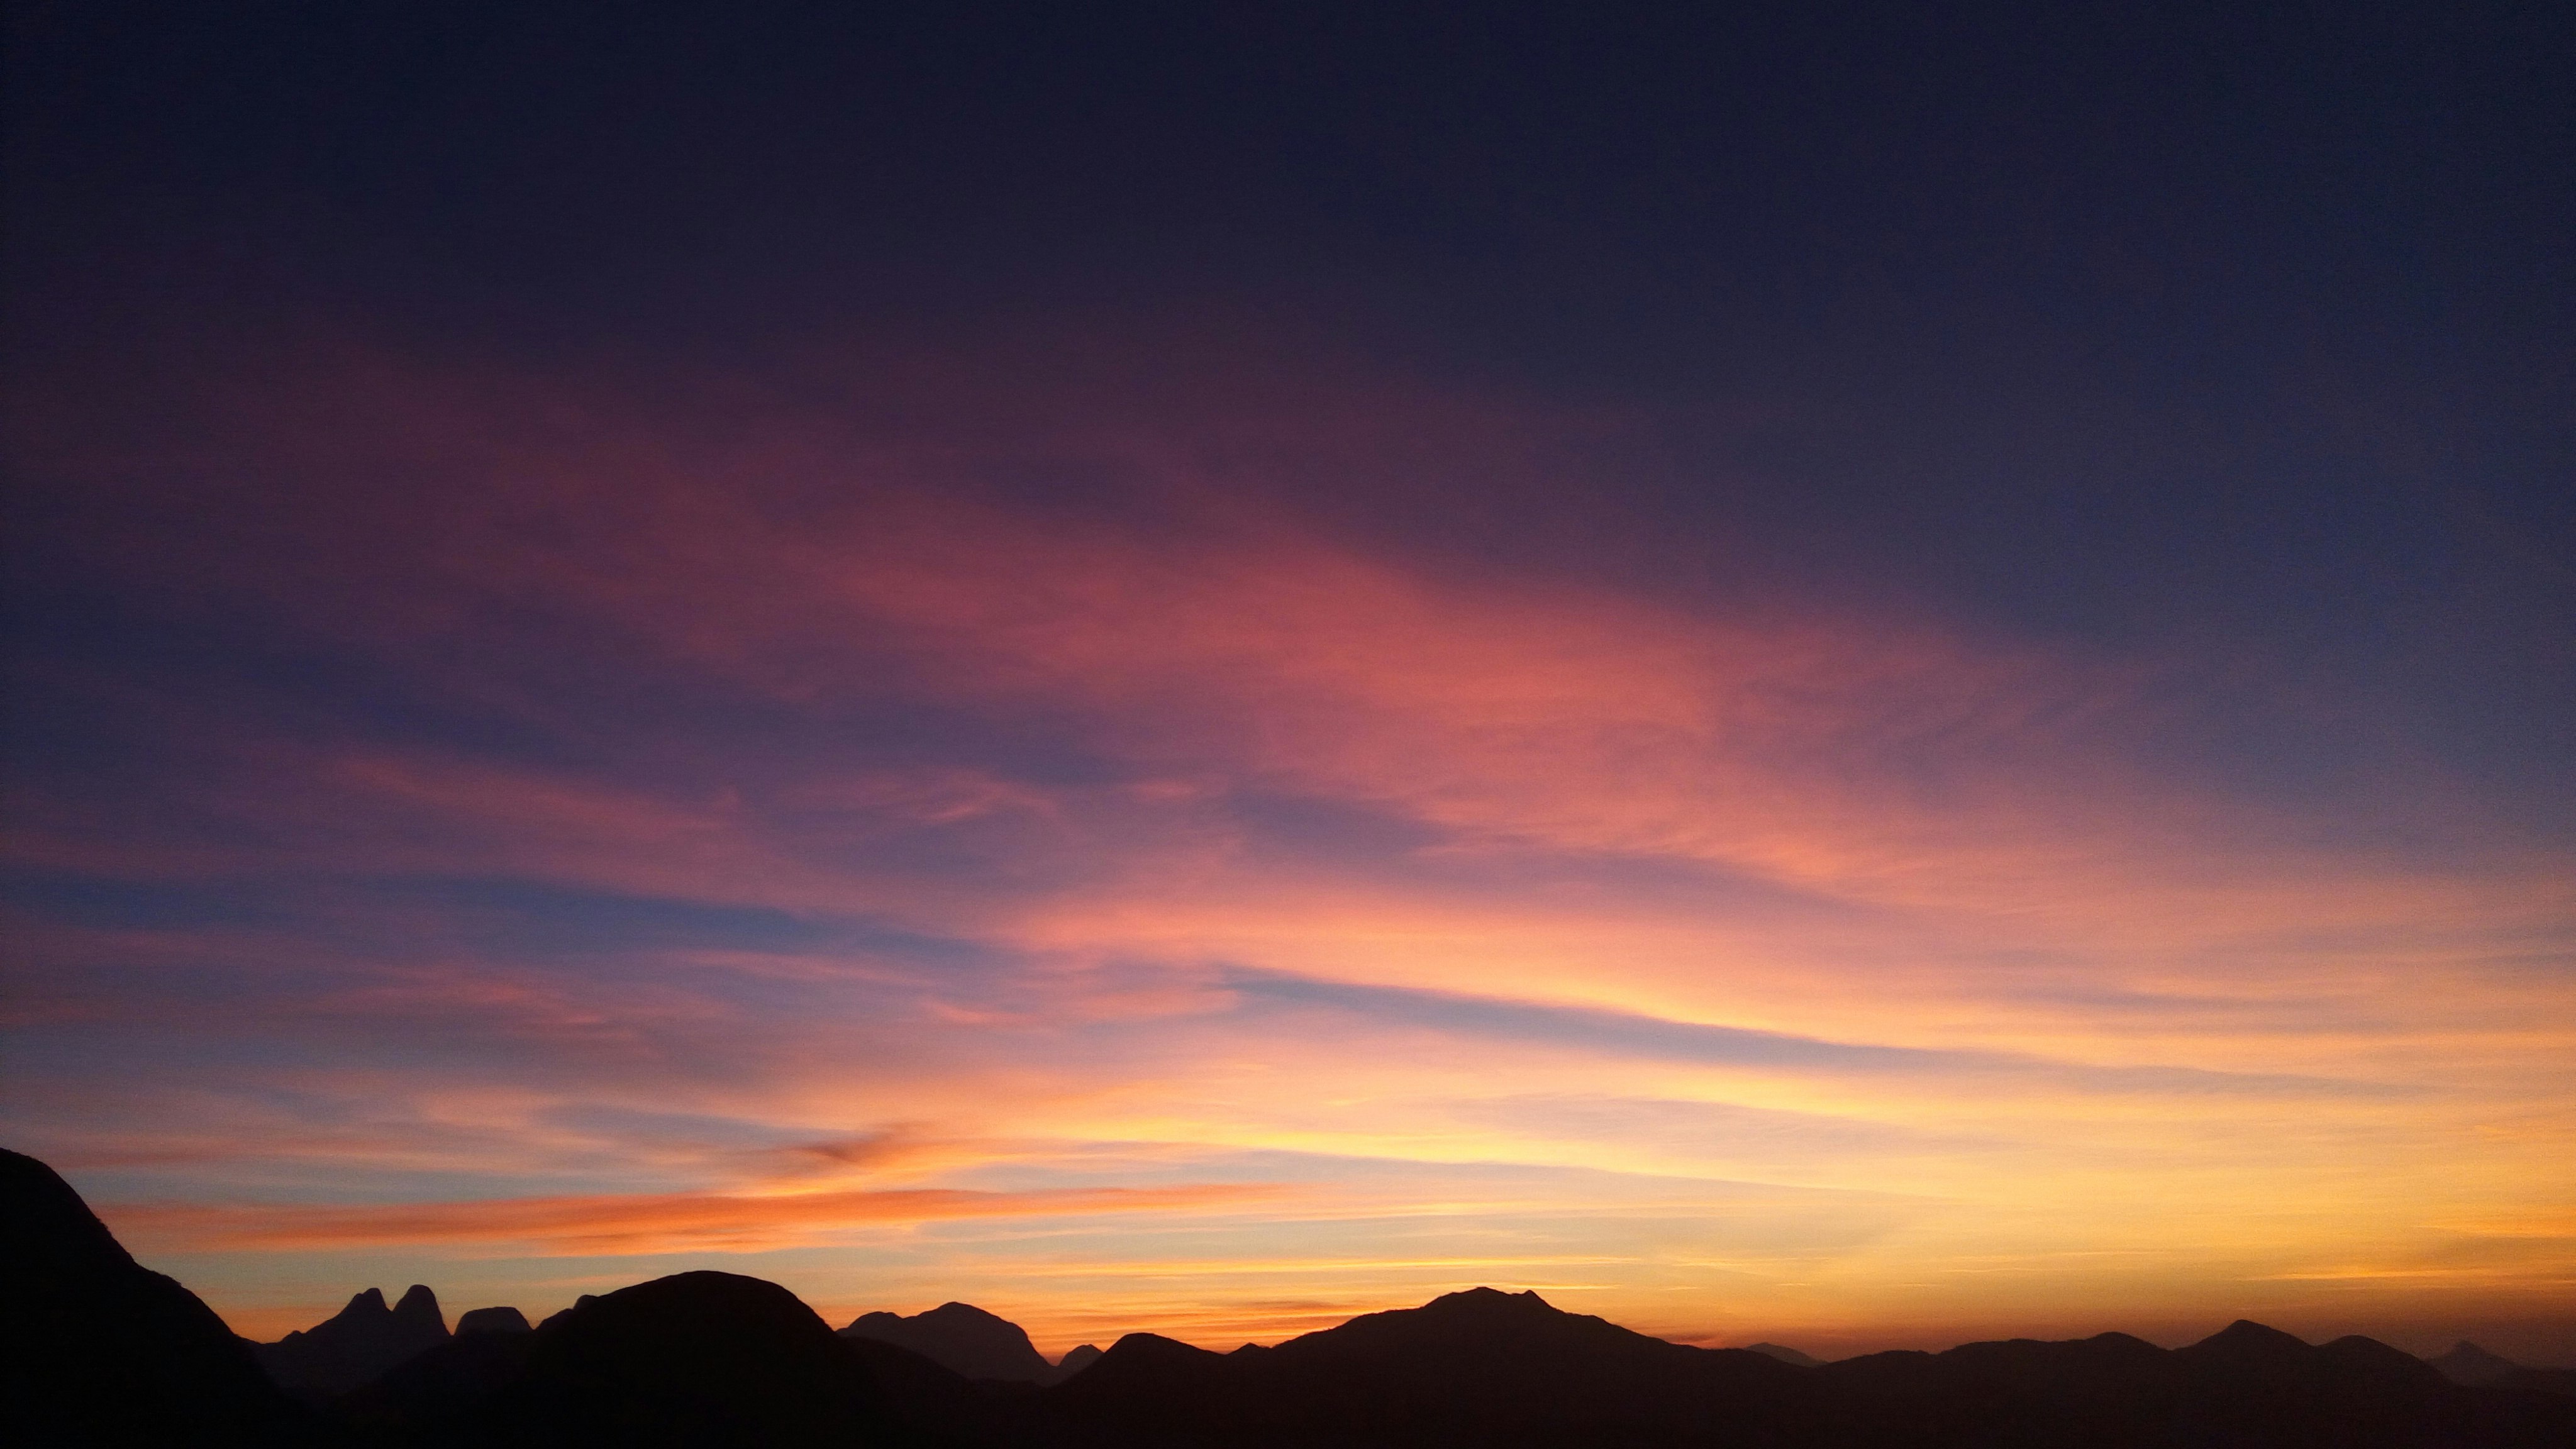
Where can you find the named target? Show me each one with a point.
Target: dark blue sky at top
(2156, 327)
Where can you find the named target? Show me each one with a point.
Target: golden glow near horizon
(1311, 929)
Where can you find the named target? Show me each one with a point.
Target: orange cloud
(644, 1223)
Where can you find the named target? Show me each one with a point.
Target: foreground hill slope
(96, 1349)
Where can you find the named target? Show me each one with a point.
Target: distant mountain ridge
(367, 1340)
(2466, 1363)
(124, 1356)
(1507, 1371)
(962, 1338)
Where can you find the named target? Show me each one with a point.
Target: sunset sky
(1860, 677)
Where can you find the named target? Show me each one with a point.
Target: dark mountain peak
(2358, 1346)
(1155, 1345)
(2469, 1364)
(706, 1294)
(1145, 1373)
(694, 1358)
(1137, 1350)
(491, 1320)
(2247, 1340)
(1480, 1323)
(419, 1307)
(1075, 1360)
(356, 1345)
(1784, 1354)
(1488, 1303)
(962, 1338)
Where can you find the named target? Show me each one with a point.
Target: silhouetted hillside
(1785, 1354)
(97, 1350)
(963, 1338)
(357, 1345)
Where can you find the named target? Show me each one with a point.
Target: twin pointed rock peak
(357, 1344)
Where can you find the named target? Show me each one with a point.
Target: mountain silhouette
(963, 1338)
(101, 1352)
(2246, 1385)
(355, 1346)
(697, 1359)
(1075, 1360)
(1493, 1369)
(2469, 1364)
(701, 1359)
(1785, 1354)
(2251, 1378)
(97, 1350)
(1480, 1367)
(2466, 1363)
(491, 1320)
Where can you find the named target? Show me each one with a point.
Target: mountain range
(100, 1351)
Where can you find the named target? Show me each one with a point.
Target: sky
(1858, 676)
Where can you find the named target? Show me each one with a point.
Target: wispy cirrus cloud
(1629, 1034)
